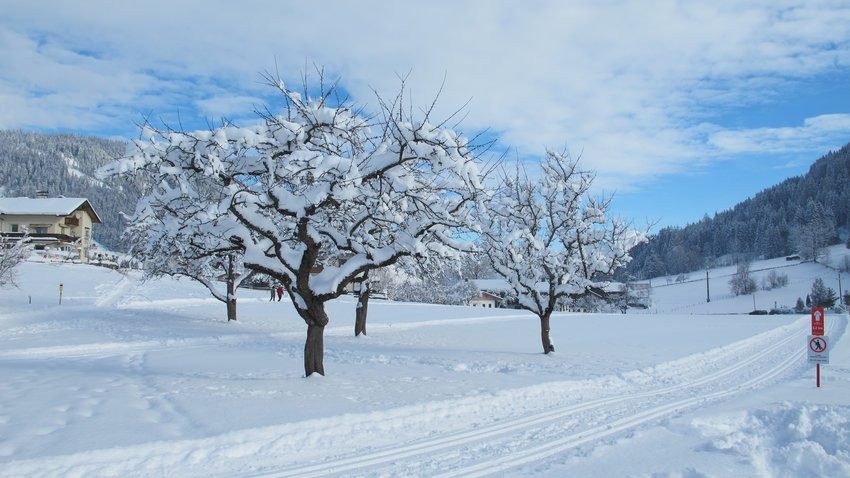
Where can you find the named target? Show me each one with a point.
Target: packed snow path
(492, 433)
(517, 440)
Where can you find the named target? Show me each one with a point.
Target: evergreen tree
(800, 306)
(822, 296)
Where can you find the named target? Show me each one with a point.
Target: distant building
(59, 224)
(484, 299)
(639, 294)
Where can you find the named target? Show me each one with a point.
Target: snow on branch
(314, 196)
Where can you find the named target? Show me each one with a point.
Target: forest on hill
(778, 221)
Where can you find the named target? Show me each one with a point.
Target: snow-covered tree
(176, 231)
(431, 281)
(549, 239)
(320, 194)
(741, 283)
(13, 251)
(395, 280)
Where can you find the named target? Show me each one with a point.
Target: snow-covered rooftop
(45, 206)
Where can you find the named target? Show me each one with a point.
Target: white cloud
(820, 132)
(631, 85)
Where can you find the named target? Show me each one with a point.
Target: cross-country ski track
(481, 435)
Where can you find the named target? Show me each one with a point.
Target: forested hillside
(775, 222)
(64, 165)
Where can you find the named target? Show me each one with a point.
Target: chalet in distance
(58, 224)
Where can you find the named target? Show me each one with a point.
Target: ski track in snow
(472, 436)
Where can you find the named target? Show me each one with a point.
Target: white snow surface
(130, 378)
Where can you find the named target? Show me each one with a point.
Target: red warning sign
(817, 320)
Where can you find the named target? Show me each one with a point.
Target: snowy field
(147, 379)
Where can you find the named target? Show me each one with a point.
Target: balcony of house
(41, 236)
(51, 246)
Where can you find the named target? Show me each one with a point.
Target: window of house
(15, 228)
(40, 229)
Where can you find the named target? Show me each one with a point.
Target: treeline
(775, 222)
(65, 165)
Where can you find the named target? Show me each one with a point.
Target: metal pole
(707, 290)
(818, 367)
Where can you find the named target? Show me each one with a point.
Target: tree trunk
(231, 310)
(362, 310)
(314, 350)
(231, 289)
(544, 334)
(314, 347)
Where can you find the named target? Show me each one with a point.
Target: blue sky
(681, 108)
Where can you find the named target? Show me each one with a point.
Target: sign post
(61, 286)
(818, 344)
(818, 351)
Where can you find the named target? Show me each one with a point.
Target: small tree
(13, 251)
(799, 307)
(822, 296)
(433, 281)
(550, 240)
(174, 233)
(741, 283)
(774, 280)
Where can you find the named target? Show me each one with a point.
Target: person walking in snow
(273, 291)
(279, 292)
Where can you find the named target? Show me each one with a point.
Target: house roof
(484, 295)
(24, 206)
